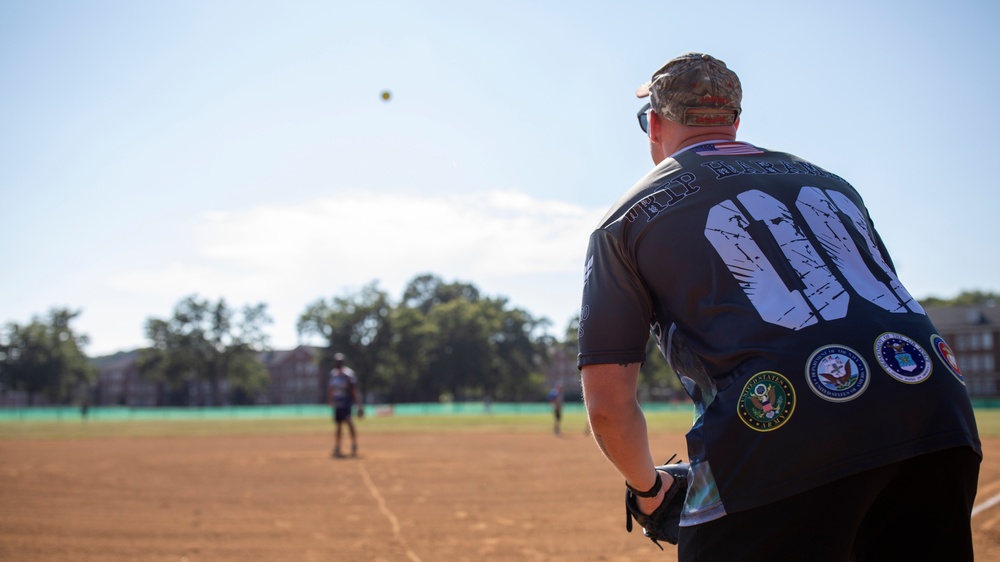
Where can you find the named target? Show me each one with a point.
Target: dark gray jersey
(771, 294)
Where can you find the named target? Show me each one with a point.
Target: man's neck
(699, 139)
(675, 140)
(712, 138)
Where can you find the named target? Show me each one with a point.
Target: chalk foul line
(985, 505)
(385, 511)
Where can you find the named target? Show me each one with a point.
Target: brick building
(295, 376)
(119, 383)
(295, 379)
(973, 332)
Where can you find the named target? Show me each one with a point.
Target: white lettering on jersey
(843, 250)
(792, 298)
(726, 230)
(817, 283)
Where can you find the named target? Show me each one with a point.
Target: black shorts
(917, 509)
(342, 413)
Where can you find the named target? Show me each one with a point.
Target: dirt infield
(408, 496)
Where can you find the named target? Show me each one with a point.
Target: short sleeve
(616, 310)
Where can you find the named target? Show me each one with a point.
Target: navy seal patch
(902, 358)
(947, 356)
(767, 401)
(837, 373)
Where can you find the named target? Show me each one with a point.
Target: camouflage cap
(695, 80)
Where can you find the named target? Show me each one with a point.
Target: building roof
(116, 361)
(963, 317)
(278, 356)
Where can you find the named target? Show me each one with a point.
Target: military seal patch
(767, 401)
(903, 358)
(944, 351)
(837, 373)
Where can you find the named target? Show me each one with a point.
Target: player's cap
(695, 80)
(338, 357)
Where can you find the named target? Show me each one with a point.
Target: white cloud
(506, 243)
(499, 232)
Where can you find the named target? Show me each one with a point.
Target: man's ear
(657, 133)
(654, 127)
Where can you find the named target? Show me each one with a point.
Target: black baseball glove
(662, 524)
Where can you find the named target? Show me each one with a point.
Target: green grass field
(77, 429)
(671, 422)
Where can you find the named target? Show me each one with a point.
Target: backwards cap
(695, 80)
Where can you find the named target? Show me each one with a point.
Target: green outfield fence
(119, 413)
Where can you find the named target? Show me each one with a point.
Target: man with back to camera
(342, 394)
(831, 422)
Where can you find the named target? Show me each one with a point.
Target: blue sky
(241, 150)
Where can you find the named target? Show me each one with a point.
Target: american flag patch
(725, 148)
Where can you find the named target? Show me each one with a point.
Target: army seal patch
(944, 351)
(837, 373)
(903, 358)
(767, 401)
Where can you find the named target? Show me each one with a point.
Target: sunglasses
(643, 116)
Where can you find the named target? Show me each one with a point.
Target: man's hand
(660, 516)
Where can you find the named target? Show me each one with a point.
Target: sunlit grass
(83, 429)
(989, 422)
(573, 421)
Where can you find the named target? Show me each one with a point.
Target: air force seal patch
(837, 373)
(903, 358)
(948, 356)
(767, 401)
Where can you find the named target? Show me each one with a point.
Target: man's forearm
(619, 426)
(624, 441)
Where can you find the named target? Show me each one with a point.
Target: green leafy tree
(478, 346)
(46, 357)
(411, 338)
(209, 342)
(426, 291)
(965, 298)
(453, 338)
(356, 325)
(656, 377)
(443, 339)
(461, 355)
(520, 344)
(562, 354)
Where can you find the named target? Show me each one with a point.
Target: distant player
(342, 394)
(556, 399)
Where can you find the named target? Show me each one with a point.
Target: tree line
(439, 341)
(45, 357)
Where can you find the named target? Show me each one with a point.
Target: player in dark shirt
(831, 422)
